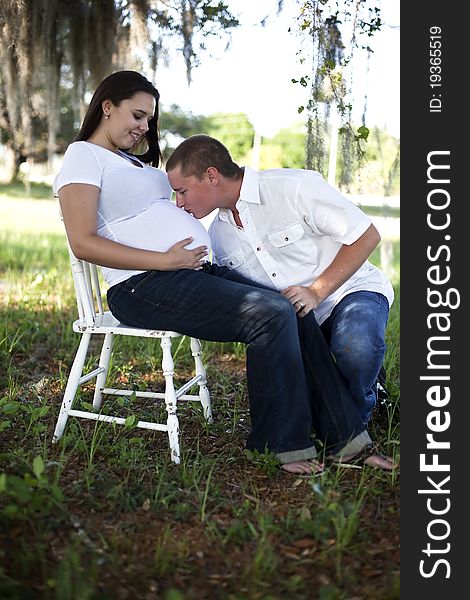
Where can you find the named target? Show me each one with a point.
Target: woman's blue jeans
(355, 333)
(288, 399)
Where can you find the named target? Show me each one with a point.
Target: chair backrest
(87, 289)
(87, 285)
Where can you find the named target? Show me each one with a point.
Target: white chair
(93, 320)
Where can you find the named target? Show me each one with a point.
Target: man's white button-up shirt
(294, 224)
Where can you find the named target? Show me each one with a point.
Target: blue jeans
(217, 304)
(355, 333)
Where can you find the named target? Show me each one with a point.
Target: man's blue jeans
(214, 304)
(355, 333)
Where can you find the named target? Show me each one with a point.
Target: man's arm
(346, 263)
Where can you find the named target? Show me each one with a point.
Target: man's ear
(212, 175)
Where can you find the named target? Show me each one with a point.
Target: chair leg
(170, 399)
(105, 358)
(204, 395)
(72, 385)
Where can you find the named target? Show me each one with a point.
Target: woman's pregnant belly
(158, 228)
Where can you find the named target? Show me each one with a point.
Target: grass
(379, 211)
(105, 514)
(17, 190)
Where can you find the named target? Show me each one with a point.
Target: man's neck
(235, 196)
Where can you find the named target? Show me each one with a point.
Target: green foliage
(232, 129)
(31, 495)
(362, 133)
(289, 144)
(235, 131)
(267, 461)
(380, 173)
(175, 122)
(326, 25)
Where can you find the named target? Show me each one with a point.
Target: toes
(381, 462)
(316, 466)
(303, 467)
(366, 457)
(294, 467)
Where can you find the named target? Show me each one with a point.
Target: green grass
(105, 514)
(381, 211)
(37, 191)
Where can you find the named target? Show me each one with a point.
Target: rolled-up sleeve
(328, 212)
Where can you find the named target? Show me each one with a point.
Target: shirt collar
(249, 192)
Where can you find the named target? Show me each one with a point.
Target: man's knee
(356, 353)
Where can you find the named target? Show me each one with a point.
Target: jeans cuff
(295, 455)
(356, 444)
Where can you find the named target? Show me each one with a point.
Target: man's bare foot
(303, 467)
(368, 456)
(379, 461)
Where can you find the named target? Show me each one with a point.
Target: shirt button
(230, 263)
(286, 239)
(274, 274)
(258, 249)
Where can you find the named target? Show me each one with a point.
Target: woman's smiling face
(128, 122)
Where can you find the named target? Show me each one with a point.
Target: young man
(290, 230)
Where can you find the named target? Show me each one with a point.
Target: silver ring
(300, 304)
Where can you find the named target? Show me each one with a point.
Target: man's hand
(302, 298)
(346, 262)
(178, 257)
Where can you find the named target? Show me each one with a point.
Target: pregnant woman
(117, 213)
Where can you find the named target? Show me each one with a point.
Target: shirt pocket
(292, 247)
(286, 236)
(234, 260)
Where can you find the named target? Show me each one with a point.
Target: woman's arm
(79, 206)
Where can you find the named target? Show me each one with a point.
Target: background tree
(51, 45)
(54, 52)
(378, 173)
(177, 125)
(234, 130)
(331, 75)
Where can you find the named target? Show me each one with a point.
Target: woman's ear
(106, 106)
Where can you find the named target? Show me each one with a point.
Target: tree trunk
(13, 161)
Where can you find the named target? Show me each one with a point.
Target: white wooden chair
(93, 320)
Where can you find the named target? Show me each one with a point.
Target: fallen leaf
(304, 543)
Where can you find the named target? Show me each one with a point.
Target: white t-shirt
(134, 207)
(294, 224)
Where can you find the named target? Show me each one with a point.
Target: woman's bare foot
(303, 467)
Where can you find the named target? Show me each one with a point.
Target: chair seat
(107, 323)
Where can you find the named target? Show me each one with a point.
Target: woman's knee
(280, 308)
(274, 314)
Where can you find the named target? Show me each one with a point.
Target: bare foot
(303, 467)
(381, 462)
(372, 459)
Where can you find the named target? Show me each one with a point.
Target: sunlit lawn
(105, 514)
